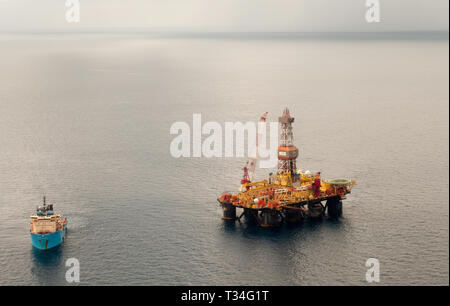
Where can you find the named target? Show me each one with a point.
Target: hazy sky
(225, 15)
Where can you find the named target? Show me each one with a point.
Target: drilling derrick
(287, 152)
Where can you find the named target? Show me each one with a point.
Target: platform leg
(251, 215)
(315, 210)
(229, 211)
(334, 207)
(292, 216)
(269, 218)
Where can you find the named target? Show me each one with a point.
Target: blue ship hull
(48, 241)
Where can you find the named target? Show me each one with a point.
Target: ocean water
(85, 119)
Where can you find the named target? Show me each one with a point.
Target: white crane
(252, 162)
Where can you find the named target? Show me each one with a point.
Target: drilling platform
(290, 195)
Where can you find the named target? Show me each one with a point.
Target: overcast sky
(225, 15)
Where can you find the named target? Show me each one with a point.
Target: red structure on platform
(245, 177)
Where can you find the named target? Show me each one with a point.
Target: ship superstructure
(290, 194)
(47, 229)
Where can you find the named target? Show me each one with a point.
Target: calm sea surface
(85, 120)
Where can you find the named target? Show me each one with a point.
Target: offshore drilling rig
(290, 195)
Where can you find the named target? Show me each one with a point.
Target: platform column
(315, 210)
(334, 206)
(269, 218)
(251, 215)
(293, 216)
(229, 211)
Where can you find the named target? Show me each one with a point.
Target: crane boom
(253, 160)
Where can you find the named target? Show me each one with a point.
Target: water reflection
(47, 266)
(251, 230)
(229, 227)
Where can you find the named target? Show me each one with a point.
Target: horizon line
(132, 30)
